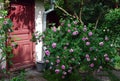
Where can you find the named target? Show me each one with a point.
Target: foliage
(112, 20)
(20, 77)
(73, 77)
(5, 48)
(117, 62)
(72, 46)
(111, 26)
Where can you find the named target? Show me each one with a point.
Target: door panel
(22, 14)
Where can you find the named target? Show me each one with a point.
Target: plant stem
(62, 10)
(80, 13)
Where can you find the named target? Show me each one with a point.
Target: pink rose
(107, 58)
(69, 30)
(62, 23)
(75, 22)
(87, 43)
(54, 29)
(83, 38)
(95, 59)
(105, 55)
(47, 61)
(58, 60)
(106, 38)
(63, 77)
(63, 67)
(75, 33)
(65, 48)
(47, 52)
(3, 67)
(84, 29)
(69, 71)
(90, 33)
(57, 71)
(54, 45)
(64, 73)
(88, 59)
(5, 22)
(101, 43)
(69, 25)
(100, 67)
(92, 65)
(91, 48)
(71, 50)
(87, 56)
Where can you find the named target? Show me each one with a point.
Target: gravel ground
(34, 75)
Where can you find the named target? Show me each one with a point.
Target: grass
(20, 76)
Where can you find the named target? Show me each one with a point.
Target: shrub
(72, 46)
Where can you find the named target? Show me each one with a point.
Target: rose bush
(72, 46)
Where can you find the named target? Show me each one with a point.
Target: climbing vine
(5, 29)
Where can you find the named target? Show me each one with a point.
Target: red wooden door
(22, 14)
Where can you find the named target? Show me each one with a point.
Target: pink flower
(75, 33)
(47, 61)
(75, 22)
(9, 30)
(92, 65)
(100, 67)
(87, 43)
(90, 33)
(88, 59)
(57, 71)
(62, 23)
(83, 38)
(50, 67)
(106, 38)
(63, 67)
(101, 43)
(91, 48)
(58, 60)
(87, 56)
(36, 34)
(5, 22)
(69, 30)
(13, 44)
(65, 48)
(84, 29)
(107, 58)
(3, 67)
(105, 55)
(71, 50)
(64, 73)
(63, 77)
(70, 68)
(47, 52)
(54, 45)
(54, 29)
(95, 59)
(73, 59)
(69, 71)
(75, 28)
(69, 25)
(86, 38)
(98, 70)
